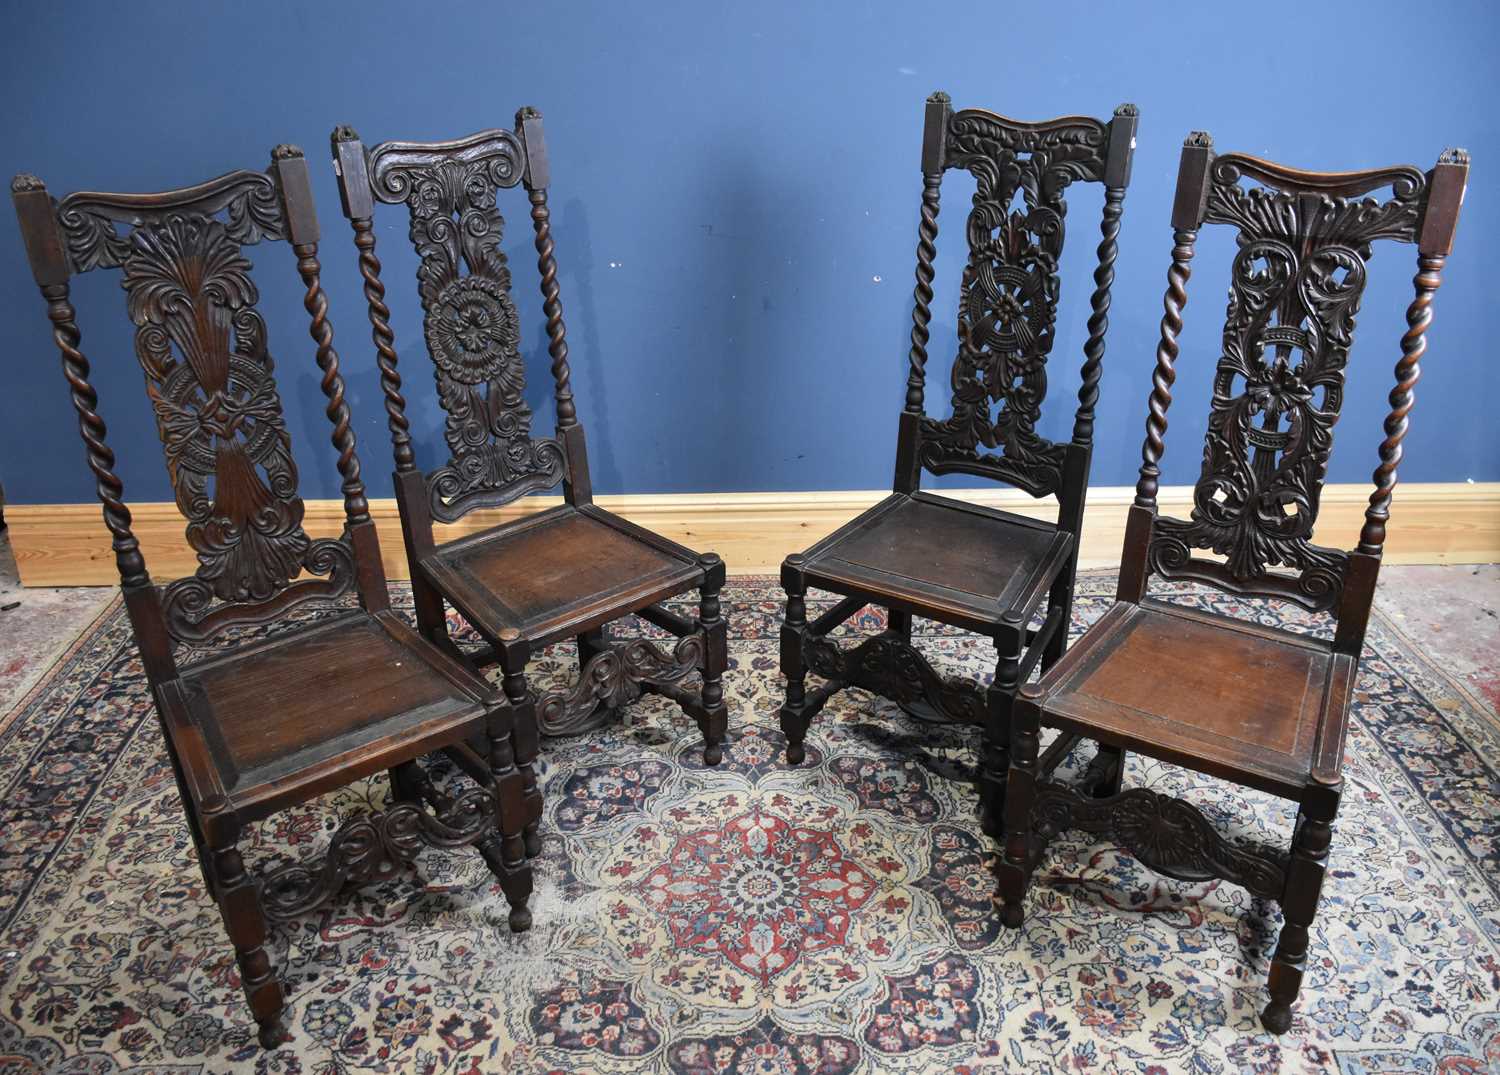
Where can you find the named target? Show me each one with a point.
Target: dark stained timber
(568, 572)
(922, 555)
(258, 726)
(1264, 708)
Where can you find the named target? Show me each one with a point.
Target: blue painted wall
(735, 194)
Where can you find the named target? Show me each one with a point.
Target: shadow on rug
(752, 918)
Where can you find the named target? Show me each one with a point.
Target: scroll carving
(614, 678)
(1167, 834)
(375, 847)
(1295, 290)
(470, 322)
(891, 667)
(202, 346)
(1010, 289)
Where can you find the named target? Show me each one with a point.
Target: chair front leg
(525, 736)
(505, 850)
(715, 722)
(1013, 869)
(1299, 903)
(245, 922)
(794, 717)
(995, 754)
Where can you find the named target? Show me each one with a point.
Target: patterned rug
(752, 918)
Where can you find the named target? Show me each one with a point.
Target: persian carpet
(833, 918)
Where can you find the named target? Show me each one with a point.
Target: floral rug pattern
(753, 919)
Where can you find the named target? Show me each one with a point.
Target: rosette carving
(470, 322)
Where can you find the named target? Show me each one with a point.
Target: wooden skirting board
(1438, 523)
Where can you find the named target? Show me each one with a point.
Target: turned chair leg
(245, 922)
(504, 850)
(715, 723)
(1299, 903)
(794, 720)
(1013, 870)
(995, 753)
(525, 739)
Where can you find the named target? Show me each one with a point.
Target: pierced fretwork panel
(472, 330)
(1008, 299)
(202, 346)
(1295, 290)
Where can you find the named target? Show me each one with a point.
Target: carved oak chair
(565, 572)
(252, 727)
(1262, 707)
(972, 567)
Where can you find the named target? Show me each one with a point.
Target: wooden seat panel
(274, 711)
(1245, 702)
(559, 571)
(923, 550)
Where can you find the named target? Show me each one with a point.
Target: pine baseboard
(1434, 523)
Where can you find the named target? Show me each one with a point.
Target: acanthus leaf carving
(470, 323)
(1296, 285)
(888, 665)
(202, 346)
(613, 678)
(1009, 295)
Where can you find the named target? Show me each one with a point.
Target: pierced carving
(1008, 306)
(614, 678)
(889, 666)
(202, 346)
(470, 324)
(1169, 835)
(1295, 290)
(376, 847)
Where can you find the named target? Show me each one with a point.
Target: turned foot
(796, 753)
(1012, 915)
(271, 1033)
(1277, 1018)
(713, 753)
(520, 919)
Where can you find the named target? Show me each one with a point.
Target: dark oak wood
(252, 727)
(1259, 706)
(563, 573)
(920, 554)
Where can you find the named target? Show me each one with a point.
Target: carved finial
(25, 181)
(286, 152)
(1127, 109)
(1199, 140)
(526, 112)
(1456, 155)
(343, 133)
(939, 98)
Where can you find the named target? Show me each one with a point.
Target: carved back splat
(1010, 290)
(1304, 244)
(201, 343)
(470, 323)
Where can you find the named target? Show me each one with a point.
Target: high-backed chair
(1262, 707)
(977, 568)
(565, 572)
(253, 725)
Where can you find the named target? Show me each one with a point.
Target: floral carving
(1295, 289)
(1010, 289)
(470, 322)
(889, 666)
(202, 346)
